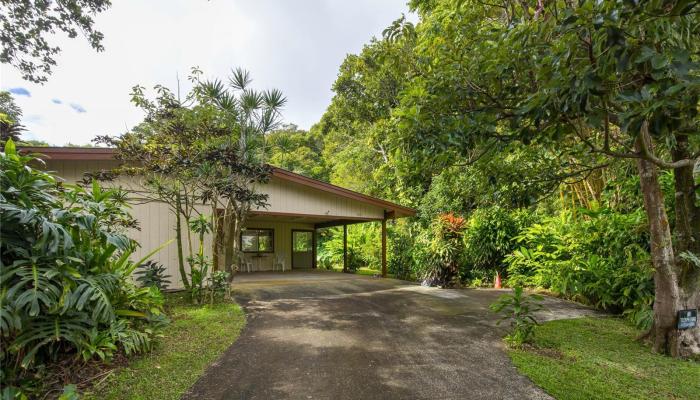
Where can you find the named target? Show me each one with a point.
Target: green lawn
(599, 358)
(194, 339)
(363, 271)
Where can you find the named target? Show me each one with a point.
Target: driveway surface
(326, 335)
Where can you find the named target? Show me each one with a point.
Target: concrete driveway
(326, 335)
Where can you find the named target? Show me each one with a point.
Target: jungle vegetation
(554, 143)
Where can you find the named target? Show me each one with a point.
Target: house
(281, 236)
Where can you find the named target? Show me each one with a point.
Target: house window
(258, 241)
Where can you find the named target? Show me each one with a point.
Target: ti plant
(518, 308)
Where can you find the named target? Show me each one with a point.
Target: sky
(295, 46)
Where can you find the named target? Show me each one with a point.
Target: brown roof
(103, 153)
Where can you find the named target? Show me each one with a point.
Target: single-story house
(280, 236)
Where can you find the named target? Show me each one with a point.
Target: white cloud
(296, 46)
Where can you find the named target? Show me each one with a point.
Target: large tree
(356, 126)
(206, 150)
(26, 27)
(592, 80)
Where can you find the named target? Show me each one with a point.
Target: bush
(400, 261)
(490, 237)
(600, 258)
(443, 248)
(152, 273)
(66, 287)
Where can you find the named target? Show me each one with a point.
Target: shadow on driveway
(324, 335)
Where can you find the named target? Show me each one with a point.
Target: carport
(284, 235)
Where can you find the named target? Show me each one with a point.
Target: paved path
(323, 335)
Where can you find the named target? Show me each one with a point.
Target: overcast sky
(296, 46)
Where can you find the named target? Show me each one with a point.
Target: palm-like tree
(256, 113)
(10, 130)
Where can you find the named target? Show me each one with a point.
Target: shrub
(443, 245)
(199, 263)
(152, 273)
(489, 239)
(218, 284)
(66, 288)
(600, 258)
(518, 309)
(400, 261)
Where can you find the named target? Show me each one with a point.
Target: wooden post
(345, 248)
(313, 249)
(384, 248)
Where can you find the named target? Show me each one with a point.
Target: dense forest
(521, 136)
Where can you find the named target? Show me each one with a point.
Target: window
(258, 241)
(302, 241)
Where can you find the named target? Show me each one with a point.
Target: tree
(595, 80)
(206, 149)
(232, 165)
(356, 127)
(26, 25)
(162, 149)
(10, 115)
(297, 151)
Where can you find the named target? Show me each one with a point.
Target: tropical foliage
(518, 310)
(564, 133)
(152, 273)
(66, 281)
(204, 149)
(28, 26)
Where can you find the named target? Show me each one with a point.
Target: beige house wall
(157, 222)
(290, 197)
(282, 244)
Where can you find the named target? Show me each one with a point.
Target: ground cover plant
(194, 339)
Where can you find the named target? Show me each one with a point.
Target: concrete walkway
(326, 335)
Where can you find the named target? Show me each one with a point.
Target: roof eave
(105, 153)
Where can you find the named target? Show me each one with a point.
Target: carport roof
(393, 210)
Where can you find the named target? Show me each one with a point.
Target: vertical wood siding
(290, 197)
(157, 222)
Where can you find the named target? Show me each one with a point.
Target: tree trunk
(216, 241)
(178, 239)
(229, 252)
(668, 294)
(687, 239)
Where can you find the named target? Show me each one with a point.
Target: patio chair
(279, 262)
(245, 265)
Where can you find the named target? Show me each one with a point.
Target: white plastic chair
(245, 264)
(279, 261)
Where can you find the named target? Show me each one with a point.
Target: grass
(599, 358)
(194, 339)
(364, 271)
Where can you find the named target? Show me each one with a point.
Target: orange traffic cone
(497, 283)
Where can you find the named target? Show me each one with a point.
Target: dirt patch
(548, 352)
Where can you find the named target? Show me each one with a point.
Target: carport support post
(384, 247)
(345, 248)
